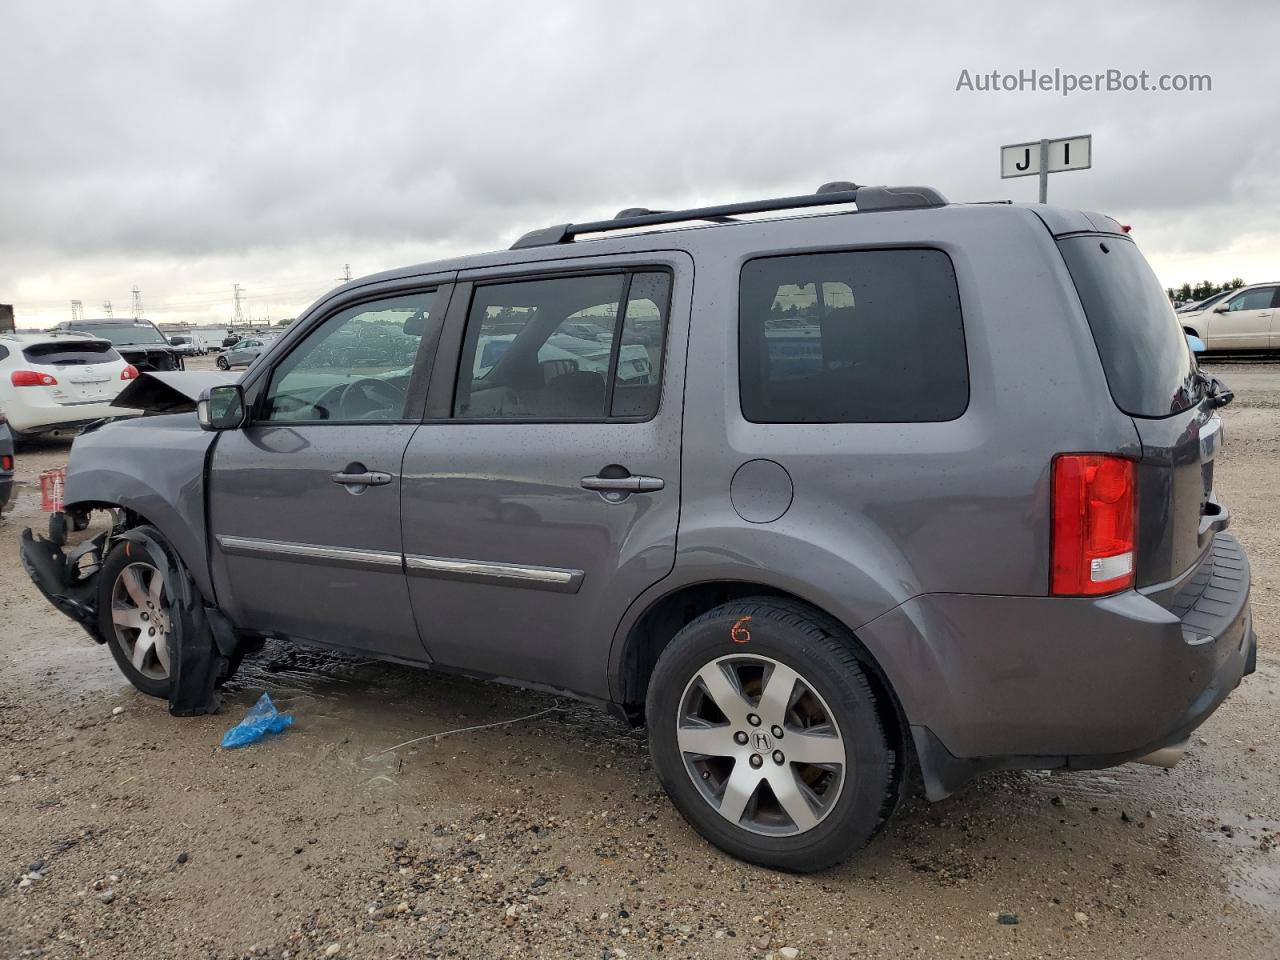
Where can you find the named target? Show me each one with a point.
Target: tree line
(1202, 290)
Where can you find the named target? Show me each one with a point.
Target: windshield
(1205, 304)
(124, 333)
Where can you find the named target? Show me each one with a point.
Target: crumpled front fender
(154, 467)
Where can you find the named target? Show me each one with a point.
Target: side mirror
(221, 407)
(1195, 343)
(1221, 308)
(175, 341)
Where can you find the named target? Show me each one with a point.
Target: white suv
(54, 383)
(1243, 320)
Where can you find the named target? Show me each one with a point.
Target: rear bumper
(1043, 682)
(6, 488)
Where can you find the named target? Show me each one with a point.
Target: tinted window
(81, 352)
(354, 366)
(578, 348)
(856, 337)
(1144, 353)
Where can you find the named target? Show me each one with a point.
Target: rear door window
(71, 354)
(565, 348)
(1149, 367)
(866, 336)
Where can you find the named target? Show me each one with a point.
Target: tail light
(6, 462)
(29, 378)
(130, 372)
(1094, 519)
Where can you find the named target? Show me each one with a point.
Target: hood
(171, 391)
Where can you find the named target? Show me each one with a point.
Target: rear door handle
(623, 484)
(370, 478)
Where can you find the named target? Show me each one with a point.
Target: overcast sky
(184, 147)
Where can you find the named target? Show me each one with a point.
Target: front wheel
(135, 617)
(767, 736)
(138, 618)
(222, 364)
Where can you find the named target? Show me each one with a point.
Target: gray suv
(920, 483)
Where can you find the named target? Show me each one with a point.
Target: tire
(831, 801)
(222, 364)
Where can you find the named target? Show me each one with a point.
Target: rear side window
(867, 336)
(81, 353)
(1144, 352)
(565, 348)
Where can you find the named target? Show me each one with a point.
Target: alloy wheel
(761, 745)
(139, 612)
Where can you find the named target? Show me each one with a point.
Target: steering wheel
(359, 398)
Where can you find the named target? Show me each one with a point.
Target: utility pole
(346, 274)
(106, 308)
(237, 317)
(77, 311)
(137, 303)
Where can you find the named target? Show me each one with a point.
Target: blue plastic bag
(262, 718)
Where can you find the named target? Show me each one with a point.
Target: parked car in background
(1205, 304)
(189, 344)
(242, 352)
(140, 342)
(6, 461)
(1243, 319)
(831, 524)
(55, 383)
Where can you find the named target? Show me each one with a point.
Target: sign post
(1045, 157)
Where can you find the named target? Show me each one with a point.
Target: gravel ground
(127, 833)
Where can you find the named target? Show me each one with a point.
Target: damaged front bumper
(203, 649)
(68, 581)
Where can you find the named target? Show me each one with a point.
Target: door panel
(305, 500)
(304, 555)
(1245, 324)
(518, 567)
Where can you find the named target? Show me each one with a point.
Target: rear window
(59, 354)
(1145, 356)
(866, 336)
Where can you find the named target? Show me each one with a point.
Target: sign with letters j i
(1068, 153)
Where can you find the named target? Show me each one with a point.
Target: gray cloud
(186, 146)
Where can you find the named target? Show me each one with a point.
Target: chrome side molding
(309, 553)
(558, 579)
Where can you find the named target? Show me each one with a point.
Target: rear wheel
(767, 736)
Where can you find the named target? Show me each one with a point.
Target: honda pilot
(876, 481)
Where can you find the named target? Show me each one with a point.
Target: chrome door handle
(623, 484)
(370, 478)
